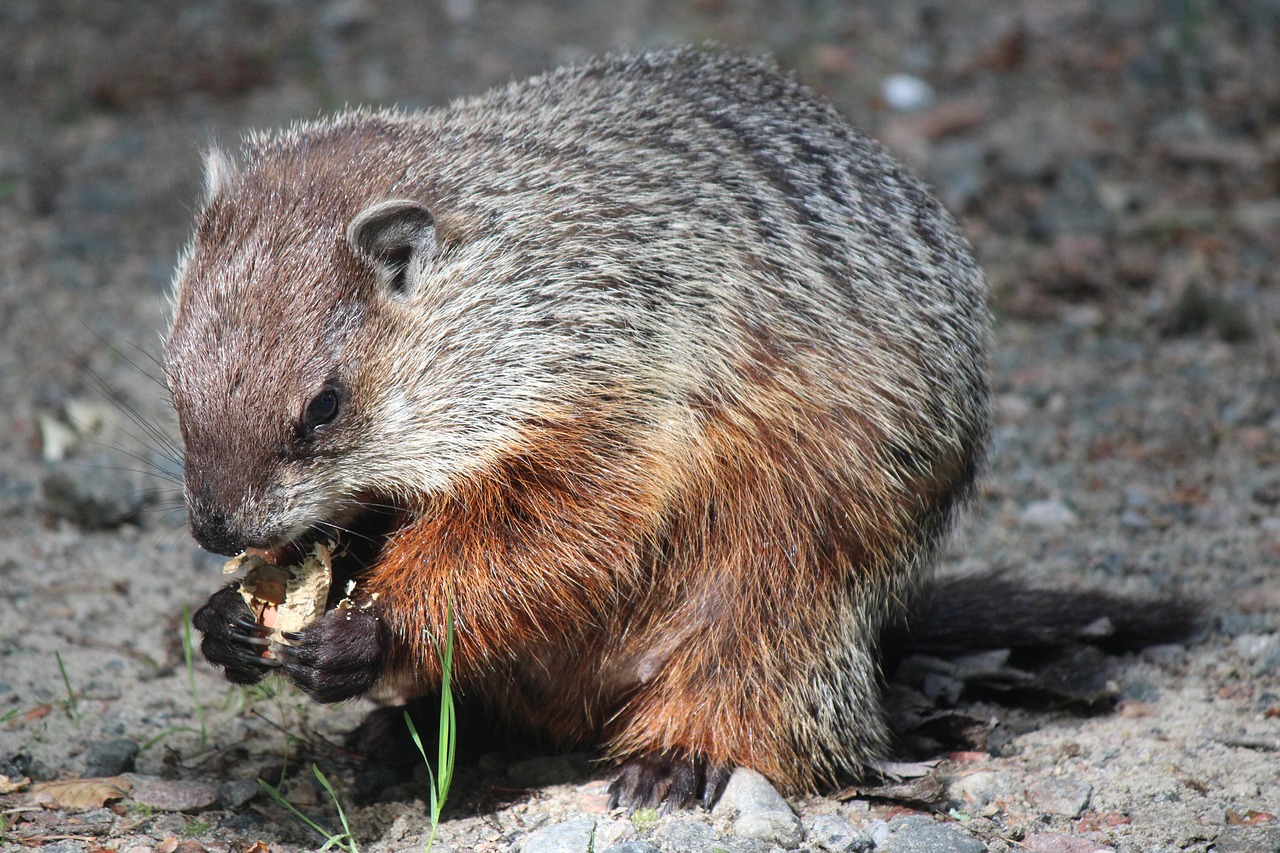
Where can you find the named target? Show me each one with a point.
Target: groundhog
(651, 373)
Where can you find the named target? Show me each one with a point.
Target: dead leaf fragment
(8, 785)
(173, 845)
(80, 793)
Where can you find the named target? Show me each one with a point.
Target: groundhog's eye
(322, 409)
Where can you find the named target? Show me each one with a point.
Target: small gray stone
(1060, 797)
(1254, 646)
(878, 831)
(834, 833)
(1050, 515)
(109, 757)
(613, 832)
(63, 847)
(172, 795)
(1241, 839)
(983, 787)
(920, 834)
(570, 836)
(743, 845)
(906, 93)
(759, 811)
(633, 847)
(684, 834)
(236, 794)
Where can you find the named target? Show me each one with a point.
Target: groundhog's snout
(211, 525)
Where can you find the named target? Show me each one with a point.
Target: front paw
(339, 656)
(232, 639)
(674, 782)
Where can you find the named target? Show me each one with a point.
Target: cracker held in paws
(284, 598)
(652, 371)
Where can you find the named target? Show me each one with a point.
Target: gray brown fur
(703, 367)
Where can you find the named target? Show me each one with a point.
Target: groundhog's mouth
(354, 542)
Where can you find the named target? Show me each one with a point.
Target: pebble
(920, 834)
(1050, 515)
(878, 831)
(172, 795)
(62, 847)
(109, 757)
(1053, 842)
(983, 787)
(610, 833)
(835, 834)
(632, 847)
(906, 93)
(235, 794)
(1242, 839)
(759, 811)
(570, 836)
(684, 834)
(1254, 646)
(1061, 797)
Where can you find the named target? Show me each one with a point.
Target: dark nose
(211, 525)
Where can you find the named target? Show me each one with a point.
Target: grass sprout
(447, 738)
(342, 840)
(73, 706)
(188, 658)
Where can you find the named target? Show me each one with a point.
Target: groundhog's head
(323, 359)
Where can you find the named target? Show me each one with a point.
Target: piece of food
(285, 598)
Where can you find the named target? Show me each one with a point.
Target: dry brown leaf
(8, 785)
(173, 845)
(80, 793)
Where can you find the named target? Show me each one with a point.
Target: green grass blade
(73, 706)
(342, 815)
(189, 659)
(279, 798)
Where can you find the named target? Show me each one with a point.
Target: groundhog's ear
(218, 172)
(389, 234)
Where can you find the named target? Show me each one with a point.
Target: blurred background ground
(1117, 167)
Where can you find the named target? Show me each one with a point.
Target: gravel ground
(1117, 166)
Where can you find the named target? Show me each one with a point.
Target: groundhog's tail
(994, 638)
(992, 611)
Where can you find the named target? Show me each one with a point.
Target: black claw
(250, 659)
(250, 627)
(662, 779)
(232, 639)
